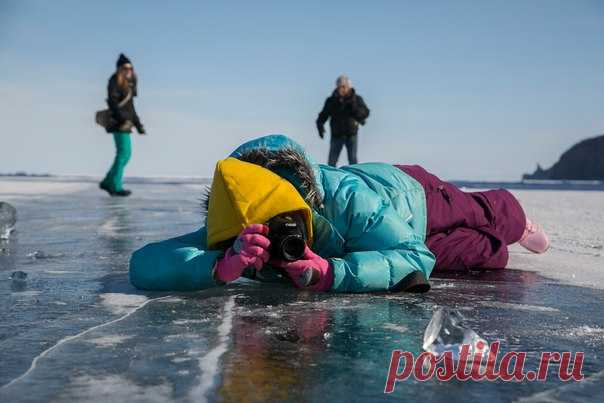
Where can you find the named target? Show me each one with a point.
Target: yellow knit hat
(243, 194)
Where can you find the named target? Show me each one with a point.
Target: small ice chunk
(8, 219)
(19, 281)
(38, 254)
(121, 304)
(446, 332)
(18, 276)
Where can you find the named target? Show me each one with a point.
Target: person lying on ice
(367, 227)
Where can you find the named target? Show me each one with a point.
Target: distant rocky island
(583, 161)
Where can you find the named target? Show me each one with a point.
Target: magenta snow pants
(468, 229)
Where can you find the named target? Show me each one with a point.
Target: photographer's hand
(250, 249)
(296, 270)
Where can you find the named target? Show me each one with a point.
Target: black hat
(122, 60)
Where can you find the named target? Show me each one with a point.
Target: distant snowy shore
(194, 180)
(166, 180)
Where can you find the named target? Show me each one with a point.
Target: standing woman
(121, 91)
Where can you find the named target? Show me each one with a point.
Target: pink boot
(534, 238)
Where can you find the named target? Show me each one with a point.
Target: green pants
(123, 148)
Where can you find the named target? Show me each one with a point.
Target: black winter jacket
(115, 94)
(345, 114)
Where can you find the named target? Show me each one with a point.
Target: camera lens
(292, 247)
(288, 236)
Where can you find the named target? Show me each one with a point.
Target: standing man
(346, 111)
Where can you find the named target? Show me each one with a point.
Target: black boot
(413, 282)
(106, 189)
(119, 193)
(122, 193)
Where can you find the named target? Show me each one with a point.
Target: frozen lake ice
(74, 329)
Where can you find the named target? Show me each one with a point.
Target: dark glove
(321, 131)
(141, 129)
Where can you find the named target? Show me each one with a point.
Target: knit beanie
(122, 60)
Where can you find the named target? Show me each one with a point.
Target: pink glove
(319, 266)
(250, 249)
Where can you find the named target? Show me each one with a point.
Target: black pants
(335, 147)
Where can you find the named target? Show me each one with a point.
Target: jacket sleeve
(176, 264)
(380, 270)
(113, 99)
(360, 111)
(324, 114)
(137, 121)
(382, 248)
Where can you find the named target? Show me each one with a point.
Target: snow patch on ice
(120, 304)
(574, 224)
(180, 336)
(113, 388)
(569, 391)
(178, 360)
(180, 322)
(171, 300)
(395, 327)
(22, 189)
(109, 341)
(584, 331)
(520, 307)
(444, 285)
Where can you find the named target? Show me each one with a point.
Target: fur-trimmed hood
(286, 162)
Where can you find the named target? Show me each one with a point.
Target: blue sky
(469, 89)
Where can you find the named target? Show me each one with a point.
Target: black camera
(287, 233)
